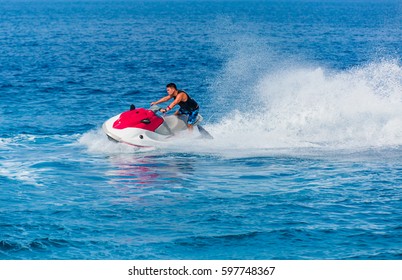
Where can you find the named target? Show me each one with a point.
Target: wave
(316, 107)
(17, 171)
(26, 153)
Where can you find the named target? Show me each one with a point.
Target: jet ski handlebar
(155, 108)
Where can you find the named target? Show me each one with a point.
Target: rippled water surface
(303, 100)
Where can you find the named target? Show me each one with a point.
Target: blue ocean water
(303, 99)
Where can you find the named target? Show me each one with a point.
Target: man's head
(171, 88)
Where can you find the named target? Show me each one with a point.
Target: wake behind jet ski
(148, 128)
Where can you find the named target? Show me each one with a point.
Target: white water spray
(314, 107)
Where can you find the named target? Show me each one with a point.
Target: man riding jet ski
(188, 106)
(145, 128)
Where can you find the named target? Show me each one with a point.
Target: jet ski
(148, 127)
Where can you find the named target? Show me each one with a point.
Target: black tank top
(189, 105)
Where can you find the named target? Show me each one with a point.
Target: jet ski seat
(176, 123)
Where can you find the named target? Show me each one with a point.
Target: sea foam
(317, 107)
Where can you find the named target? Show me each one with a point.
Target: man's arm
(163, 99)
(178, 98)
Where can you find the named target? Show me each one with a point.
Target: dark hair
(171, 85)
